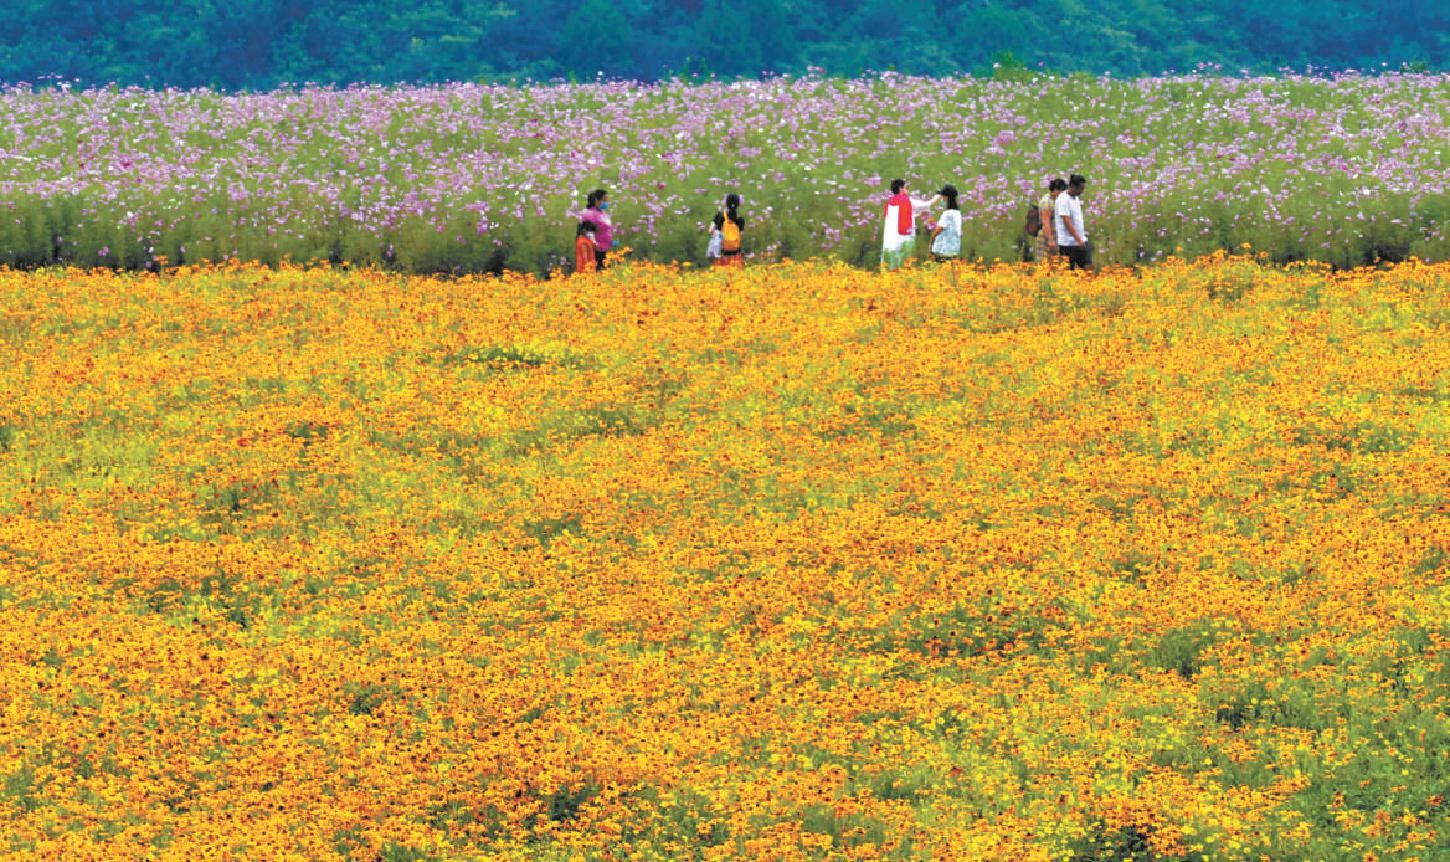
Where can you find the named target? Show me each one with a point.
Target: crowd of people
(1055, 224)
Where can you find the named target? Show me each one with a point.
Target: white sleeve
(921, 205)
(945, 221)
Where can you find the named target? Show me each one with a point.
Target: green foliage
(1107, 844)
(269, 42)
(367, 698)
(19, 789)
(564, 803)
(1182, 650)
(394, 852)
(845, 830)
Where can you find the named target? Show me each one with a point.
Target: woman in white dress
(946, 237)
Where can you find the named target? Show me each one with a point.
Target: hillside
(261, 44)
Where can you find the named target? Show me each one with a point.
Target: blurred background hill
(264, 43)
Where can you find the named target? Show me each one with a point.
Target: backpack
(730, 237)
(1034, 221)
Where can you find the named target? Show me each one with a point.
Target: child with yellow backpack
(726, 242)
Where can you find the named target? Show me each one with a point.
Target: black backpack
(1034, 221)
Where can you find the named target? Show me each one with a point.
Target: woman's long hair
(732, 207)
(595, 197)
(950, 193)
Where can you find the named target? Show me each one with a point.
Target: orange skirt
(730, 261)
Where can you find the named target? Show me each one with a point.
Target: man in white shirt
(1069, 227)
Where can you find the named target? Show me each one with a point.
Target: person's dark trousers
(599, 257)
(1078, 256)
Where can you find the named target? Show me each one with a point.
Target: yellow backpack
(730, 236)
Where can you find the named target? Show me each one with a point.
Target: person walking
(585, 250)
(597, 213)
(729, 227)
(1047, 208)
(1069, 227)
(946, 237)
(898, 235)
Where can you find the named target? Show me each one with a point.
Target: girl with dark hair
(946, 237)
(597, 214)
(728, 227)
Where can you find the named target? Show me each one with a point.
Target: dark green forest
(265, 43)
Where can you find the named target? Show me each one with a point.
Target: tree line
(265, 43)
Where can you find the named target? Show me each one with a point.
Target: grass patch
(565, 427)
(1359, 438)
(499, 358)
(969, 630)
(368, 698)
(1106, 843)
(896, 784)
(1181, 650)
(847, 831)
(20, 790)
(1295, 703)
(394, 851)
(308, 432)
(546, 530)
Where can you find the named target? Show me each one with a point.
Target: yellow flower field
(802, 562)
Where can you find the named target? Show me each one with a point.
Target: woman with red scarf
(898, 239)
